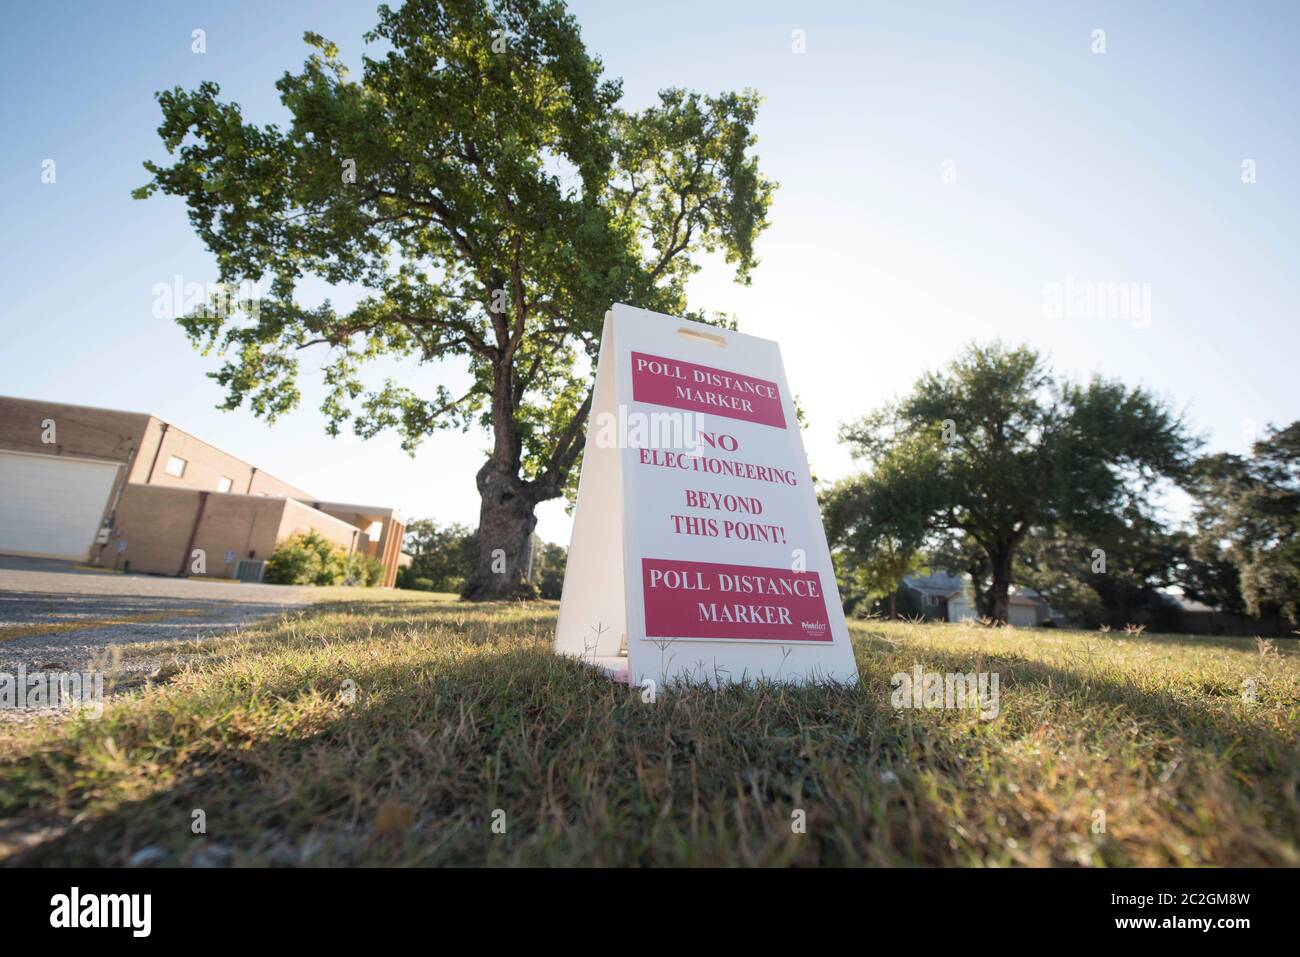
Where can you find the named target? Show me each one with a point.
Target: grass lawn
(1108, 750)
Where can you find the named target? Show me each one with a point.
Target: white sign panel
(698, 551)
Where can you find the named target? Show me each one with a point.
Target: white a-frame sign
(698, 551)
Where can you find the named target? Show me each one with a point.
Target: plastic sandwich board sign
(698, 551)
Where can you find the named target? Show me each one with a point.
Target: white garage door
(51, 505)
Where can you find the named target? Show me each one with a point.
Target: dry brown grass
(461, 711)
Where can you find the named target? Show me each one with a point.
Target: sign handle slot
(707, 337)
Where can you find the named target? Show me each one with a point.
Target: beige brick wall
(156, 522)
(154, 525)
(298, 517)
(205, 465)
(79, 431)
(247, 525)
(144, 462)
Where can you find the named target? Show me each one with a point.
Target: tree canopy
(995, 447)
(1248, 518)
(878, 524)
(1118, 579)
(482, 183)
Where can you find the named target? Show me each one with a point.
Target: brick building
(129, 491)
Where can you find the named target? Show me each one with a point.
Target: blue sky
(942, 167)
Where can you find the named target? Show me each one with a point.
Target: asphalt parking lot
(56, 616)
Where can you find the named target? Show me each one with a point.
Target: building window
(375, 530)
(176, 466)
(224, 484)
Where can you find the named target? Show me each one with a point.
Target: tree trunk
(893, 605)
(505, 519)
(507, 501)
(995, 604)
(505, 526)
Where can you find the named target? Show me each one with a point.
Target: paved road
(58, 617)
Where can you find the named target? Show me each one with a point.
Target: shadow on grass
(583, 770)
(435, 751)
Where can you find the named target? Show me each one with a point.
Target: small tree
(995, 447)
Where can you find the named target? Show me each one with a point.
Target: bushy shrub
(364, 570)
(308, 558)
(548, 568)
(441, 555)
(406, 579)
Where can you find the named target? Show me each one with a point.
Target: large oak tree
(481, 181)
(995, 447)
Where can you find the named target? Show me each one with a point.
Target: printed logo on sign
(709, 600)
(685, 385)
